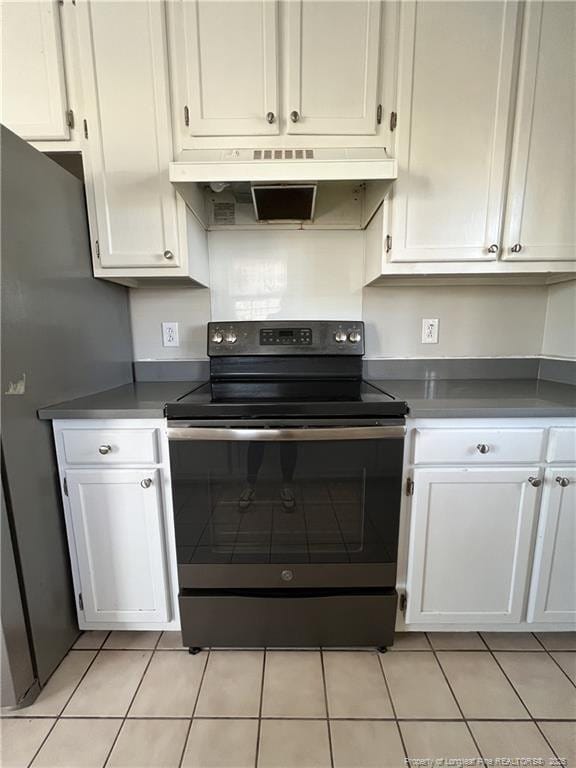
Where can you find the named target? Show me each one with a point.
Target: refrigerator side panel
(64, 335)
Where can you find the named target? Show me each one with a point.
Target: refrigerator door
(17, 677)
(64, 335)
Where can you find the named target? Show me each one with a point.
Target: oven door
(290, 506)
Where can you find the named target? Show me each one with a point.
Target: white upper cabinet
(333, 53)
(454, 104)
(553, 596)
(541, 220)
(226, 70)
(124, 72)
(34, 101)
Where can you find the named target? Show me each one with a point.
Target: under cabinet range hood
(310, 188)
(229, 165)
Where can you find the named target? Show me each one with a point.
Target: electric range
(286, 475)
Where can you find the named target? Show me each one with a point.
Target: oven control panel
(284, 337)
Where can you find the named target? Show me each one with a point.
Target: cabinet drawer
(114, 446)
(562, 445)
(477, 446)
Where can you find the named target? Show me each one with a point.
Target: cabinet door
(541, 223)
(454, 93)
(553, 595)
(129, 145)
(118, 532)
(333, 53)
(34, 103)
(470, 541)
(227, 66)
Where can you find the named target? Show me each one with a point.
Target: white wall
(318, 275)
(475, 321)
(149, 307)
(560, 327)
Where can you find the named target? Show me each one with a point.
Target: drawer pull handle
(168, 255)
(146, 483)
(535, 482)
(494, 248)
(563, 481)
(482, 448)
(104, 449)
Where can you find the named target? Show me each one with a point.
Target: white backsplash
(287, 275)
(318, 275)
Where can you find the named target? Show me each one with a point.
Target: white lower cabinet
(490, 525)
(553, 594)
(470, 544)
(116, 518)
(117, 499)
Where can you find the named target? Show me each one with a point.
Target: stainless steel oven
(287, 525)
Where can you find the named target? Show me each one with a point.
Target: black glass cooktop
(265, 398)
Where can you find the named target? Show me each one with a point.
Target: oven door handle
(297, 434)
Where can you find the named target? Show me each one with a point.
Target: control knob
(217, 337)
(230, 337)
(340, 336)
(354, 337)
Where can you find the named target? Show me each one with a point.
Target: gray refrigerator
(63, 335)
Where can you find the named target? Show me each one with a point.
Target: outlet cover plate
(430, 330)
(170, 334)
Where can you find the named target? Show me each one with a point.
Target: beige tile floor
(139, 700)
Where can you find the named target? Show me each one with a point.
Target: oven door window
(277, 502)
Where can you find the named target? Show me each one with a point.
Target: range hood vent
(284, 202)
(282, 165)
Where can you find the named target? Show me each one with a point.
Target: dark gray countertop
(482, 398)
(446, 398)
(141, 400)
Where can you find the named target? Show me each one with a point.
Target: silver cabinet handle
(104, 449)
(516, 248)
(294, 116)
(482, 448)
(270, 117)
(535, 482)
(494, 248)
(563, 481)
(146, 483)
(168, 255)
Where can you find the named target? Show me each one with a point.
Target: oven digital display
(288, 336)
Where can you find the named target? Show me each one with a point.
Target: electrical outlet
(430, 330)
(170, 335)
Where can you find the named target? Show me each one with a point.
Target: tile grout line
(259, 727)
(531, 717)
(550, 654)
(58, 716)
(464, 718)
(191, 720)
(327, 710)
(389, 692)
(105, 763)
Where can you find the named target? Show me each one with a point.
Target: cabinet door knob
(270, 117)
(104, 449)
(535, 482)
(516, 248)
(168, 255)
(482, 448)
(294, 116)
(494, 248)
(146, 483)
(563, 481)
